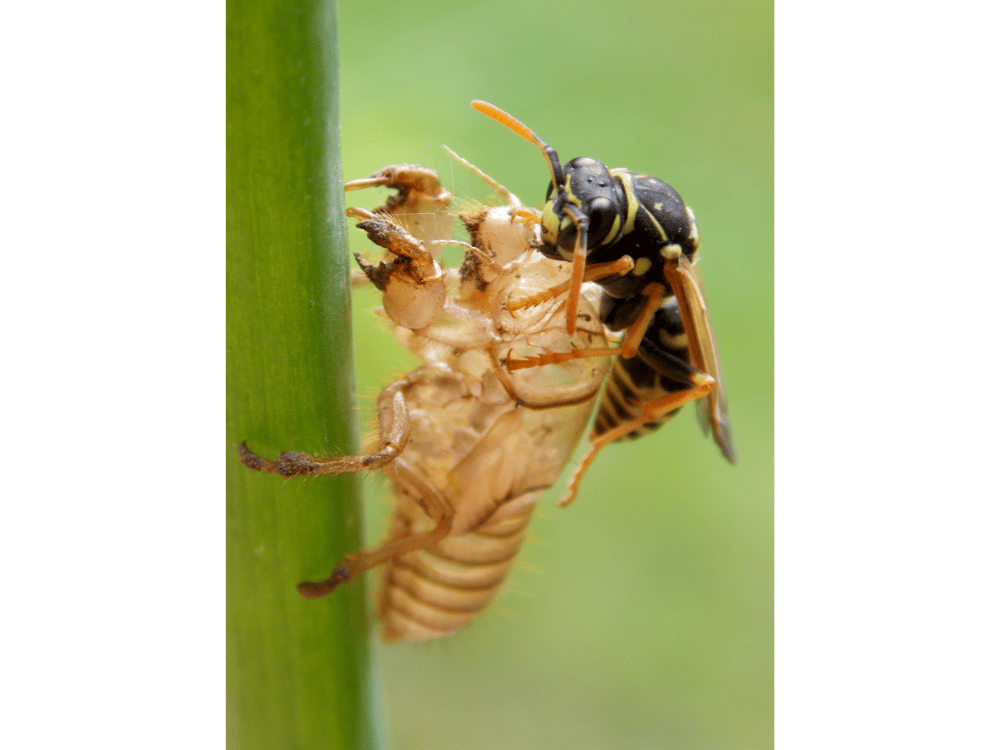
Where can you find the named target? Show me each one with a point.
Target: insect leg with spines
(414, 293)
(595, 216)
(394, 433)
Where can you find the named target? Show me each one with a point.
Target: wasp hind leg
(652, 411)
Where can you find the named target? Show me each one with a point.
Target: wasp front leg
(592, 272)
(653, 294)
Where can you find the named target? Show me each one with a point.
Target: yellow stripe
(663, 235)
(633, 203)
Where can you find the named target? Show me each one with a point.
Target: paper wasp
(516, 343)
(594, 218)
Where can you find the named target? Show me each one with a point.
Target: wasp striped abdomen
(659, 368)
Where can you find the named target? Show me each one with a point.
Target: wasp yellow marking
(671, 251)
(641, 266)
(677, 341)
(631, 201)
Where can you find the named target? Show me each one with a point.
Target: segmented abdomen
(622, 399)
(635, 381)
(437, 590)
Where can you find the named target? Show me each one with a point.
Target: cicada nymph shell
(468, 444)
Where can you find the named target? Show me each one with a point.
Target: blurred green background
(640, 617)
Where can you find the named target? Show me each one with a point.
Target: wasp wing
(686, 282)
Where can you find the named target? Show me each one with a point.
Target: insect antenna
(511, 122)
(579, 218)
(503, 192)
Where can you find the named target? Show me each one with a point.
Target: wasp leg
(556, 358)
(652, 411)
(582, 221)
(592, 272)
(627, 349)
(394, 430)
(430, 499)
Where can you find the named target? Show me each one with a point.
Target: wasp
(597, 219)
(467, 443)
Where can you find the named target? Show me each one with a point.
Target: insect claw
(251, 460)
(316, 590)
(522, 364)
(568, 500)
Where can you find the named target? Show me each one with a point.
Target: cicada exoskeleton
(468, 443)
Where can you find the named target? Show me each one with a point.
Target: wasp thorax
(586, 179)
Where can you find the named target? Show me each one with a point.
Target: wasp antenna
(512, 123)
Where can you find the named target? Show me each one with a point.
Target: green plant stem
(298, 671)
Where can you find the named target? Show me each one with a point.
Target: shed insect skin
(467, 444)
(595, 217)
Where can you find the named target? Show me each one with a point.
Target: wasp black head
(587, 207)
(587, 190)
